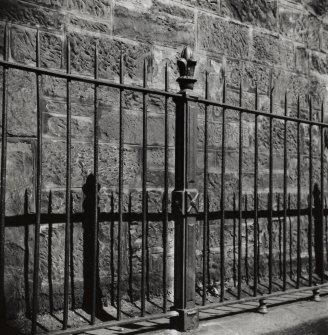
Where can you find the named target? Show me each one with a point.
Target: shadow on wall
(318, 231)
(84, 242)
(89, 250)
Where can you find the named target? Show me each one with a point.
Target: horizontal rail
(22, 220)
(109, 324)
(84, 79)
(107, 83)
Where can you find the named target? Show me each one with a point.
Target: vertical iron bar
(223, 194)
(326, 228)
(280, 238)
(95, 194)
(205, 226)
(256, 260)
(310, 194)
(298, 197)
(322, 175)
(166, 191)
(38, 195)
(120, 194)
(246, 248)
(68, 188)
(234, 209)
(284, 238)
(291, 274)
(3, 177)
(270, 190)
(240, 188)
(144, 190)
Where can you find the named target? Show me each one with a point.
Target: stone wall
(275, 43)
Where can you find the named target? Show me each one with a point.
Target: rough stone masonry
(268, 43)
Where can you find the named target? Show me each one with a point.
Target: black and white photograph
(164, 167)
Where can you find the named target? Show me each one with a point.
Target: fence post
(184, 197)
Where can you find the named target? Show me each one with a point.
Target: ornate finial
(186, 65)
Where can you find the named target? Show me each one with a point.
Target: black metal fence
(192, 216)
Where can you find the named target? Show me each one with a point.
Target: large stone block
(109, 51)
(163, 56)
(215, 135)
(302, 60)
(300, 26)
(81, 127)
(22, 102)
(324, 38)
(164, 22)
(133, 126)
(90, 25)
(97, 8)
(82, 97)
(56, 4)
(211, 5)
(272, 50)
(294, 85)
(54, 164)
(20, 176)
(317, 89)
(2, 39)
(156, 160)
(51, 51)
(219, 36)
(22, 13)
(256, 76)
(319, 62)
(259, 13)
(23, 45)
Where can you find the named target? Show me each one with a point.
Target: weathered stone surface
(300, 26)
(256, 75)
(163, 56)
(302, 60)
(317, 89)
(2, 39)
(212, 5)
(54, 164)
(294, 85)
(215, 135)
(51, 50)
(269, 50)
(82, 96)
(20, 176)
(23, 45)
(109, 51)
(21, 103)
(49, 3)
(164, 27)
(324, 38)
(319, 62)
(109, 128)
(97, 8)
(164, 22)
(90, 25)
(59, 108)
(219, 36)
(81, 127)
(234, 73)
(23, 13)
(259, 13)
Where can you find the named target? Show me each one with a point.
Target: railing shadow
(129, 217)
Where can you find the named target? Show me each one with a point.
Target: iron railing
(187, 209)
